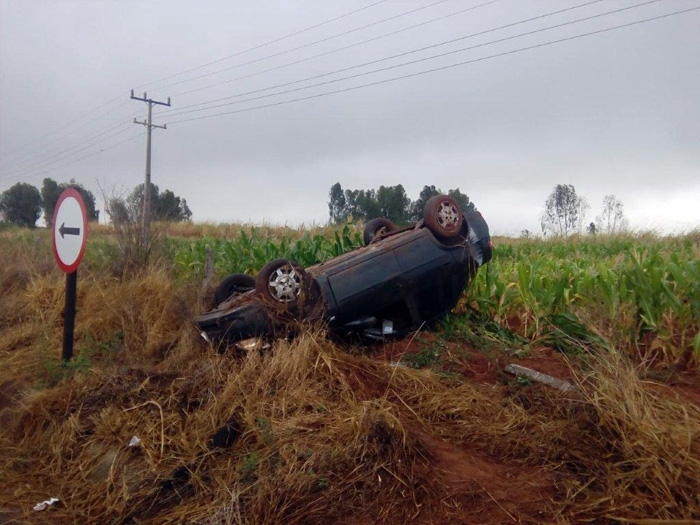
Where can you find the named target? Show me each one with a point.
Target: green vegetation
(638, 293)
(251, 250)
(387, 201)
(51, 191)
(333, 433)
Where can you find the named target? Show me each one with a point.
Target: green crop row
(639, 293)
(248, 252)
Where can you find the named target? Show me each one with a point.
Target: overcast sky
(616, 112)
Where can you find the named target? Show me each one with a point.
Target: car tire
(443, 217)
(233, 285)
(376, 227)
(283, 283)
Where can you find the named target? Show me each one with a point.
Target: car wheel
(283, 283)
(233, 285)
(443, 217)
(377, 227)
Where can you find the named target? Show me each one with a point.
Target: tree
(172, 208)
(393, 203)
(51, 190)
(465, 204)
(417, 207)
(134, 202)
(336, 204)
(612, 219)
(561, 210)
(388, 201)
(583, 209)
(361, 204)
(21, 204)
(165, 206)
(367, 206)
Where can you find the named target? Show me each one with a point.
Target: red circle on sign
(69, 192)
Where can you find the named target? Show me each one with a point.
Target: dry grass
(326, 435)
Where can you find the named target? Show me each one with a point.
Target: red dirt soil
(474, 365)
(488, 490)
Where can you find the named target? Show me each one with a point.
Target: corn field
(250, 251)
(637, 293)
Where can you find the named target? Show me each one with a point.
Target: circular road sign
(69, 230)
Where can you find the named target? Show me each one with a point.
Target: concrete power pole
(147, 186)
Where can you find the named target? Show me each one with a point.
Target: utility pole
(147, 186)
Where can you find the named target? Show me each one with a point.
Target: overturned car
(400, 279)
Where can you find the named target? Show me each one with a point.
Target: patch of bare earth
(482, 487)
(487, 489)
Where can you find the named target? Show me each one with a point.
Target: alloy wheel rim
(447, 215)
(285, 284)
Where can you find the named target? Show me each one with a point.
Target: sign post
(69, 236)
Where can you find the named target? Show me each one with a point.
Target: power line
(419, 73)
(119, 97)
(106, 148)
(442, 68)
(43, 160)
(277, 40)
(403, 64)
(338, 49)
(124, 125)
(52, 154)
(62, 155)
(179, 110)
(326, 39)
(259, 46)
(64, 126)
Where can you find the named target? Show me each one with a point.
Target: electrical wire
(123, 121)
(64, 126)
(124, 125)
(61, 156)
(309, 44)
(259, 46)
(102, 150)
(415, 74)
(184, 111)
(338, 49)
(442, 68)
(389, 57)
(253, 48)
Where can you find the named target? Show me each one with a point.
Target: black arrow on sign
(68, 231)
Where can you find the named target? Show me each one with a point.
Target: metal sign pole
(69, 315)
(69, 238)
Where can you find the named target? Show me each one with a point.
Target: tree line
(23, 204)
(565, 212)
(388, 201)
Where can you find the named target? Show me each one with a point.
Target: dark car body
(388, 287)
